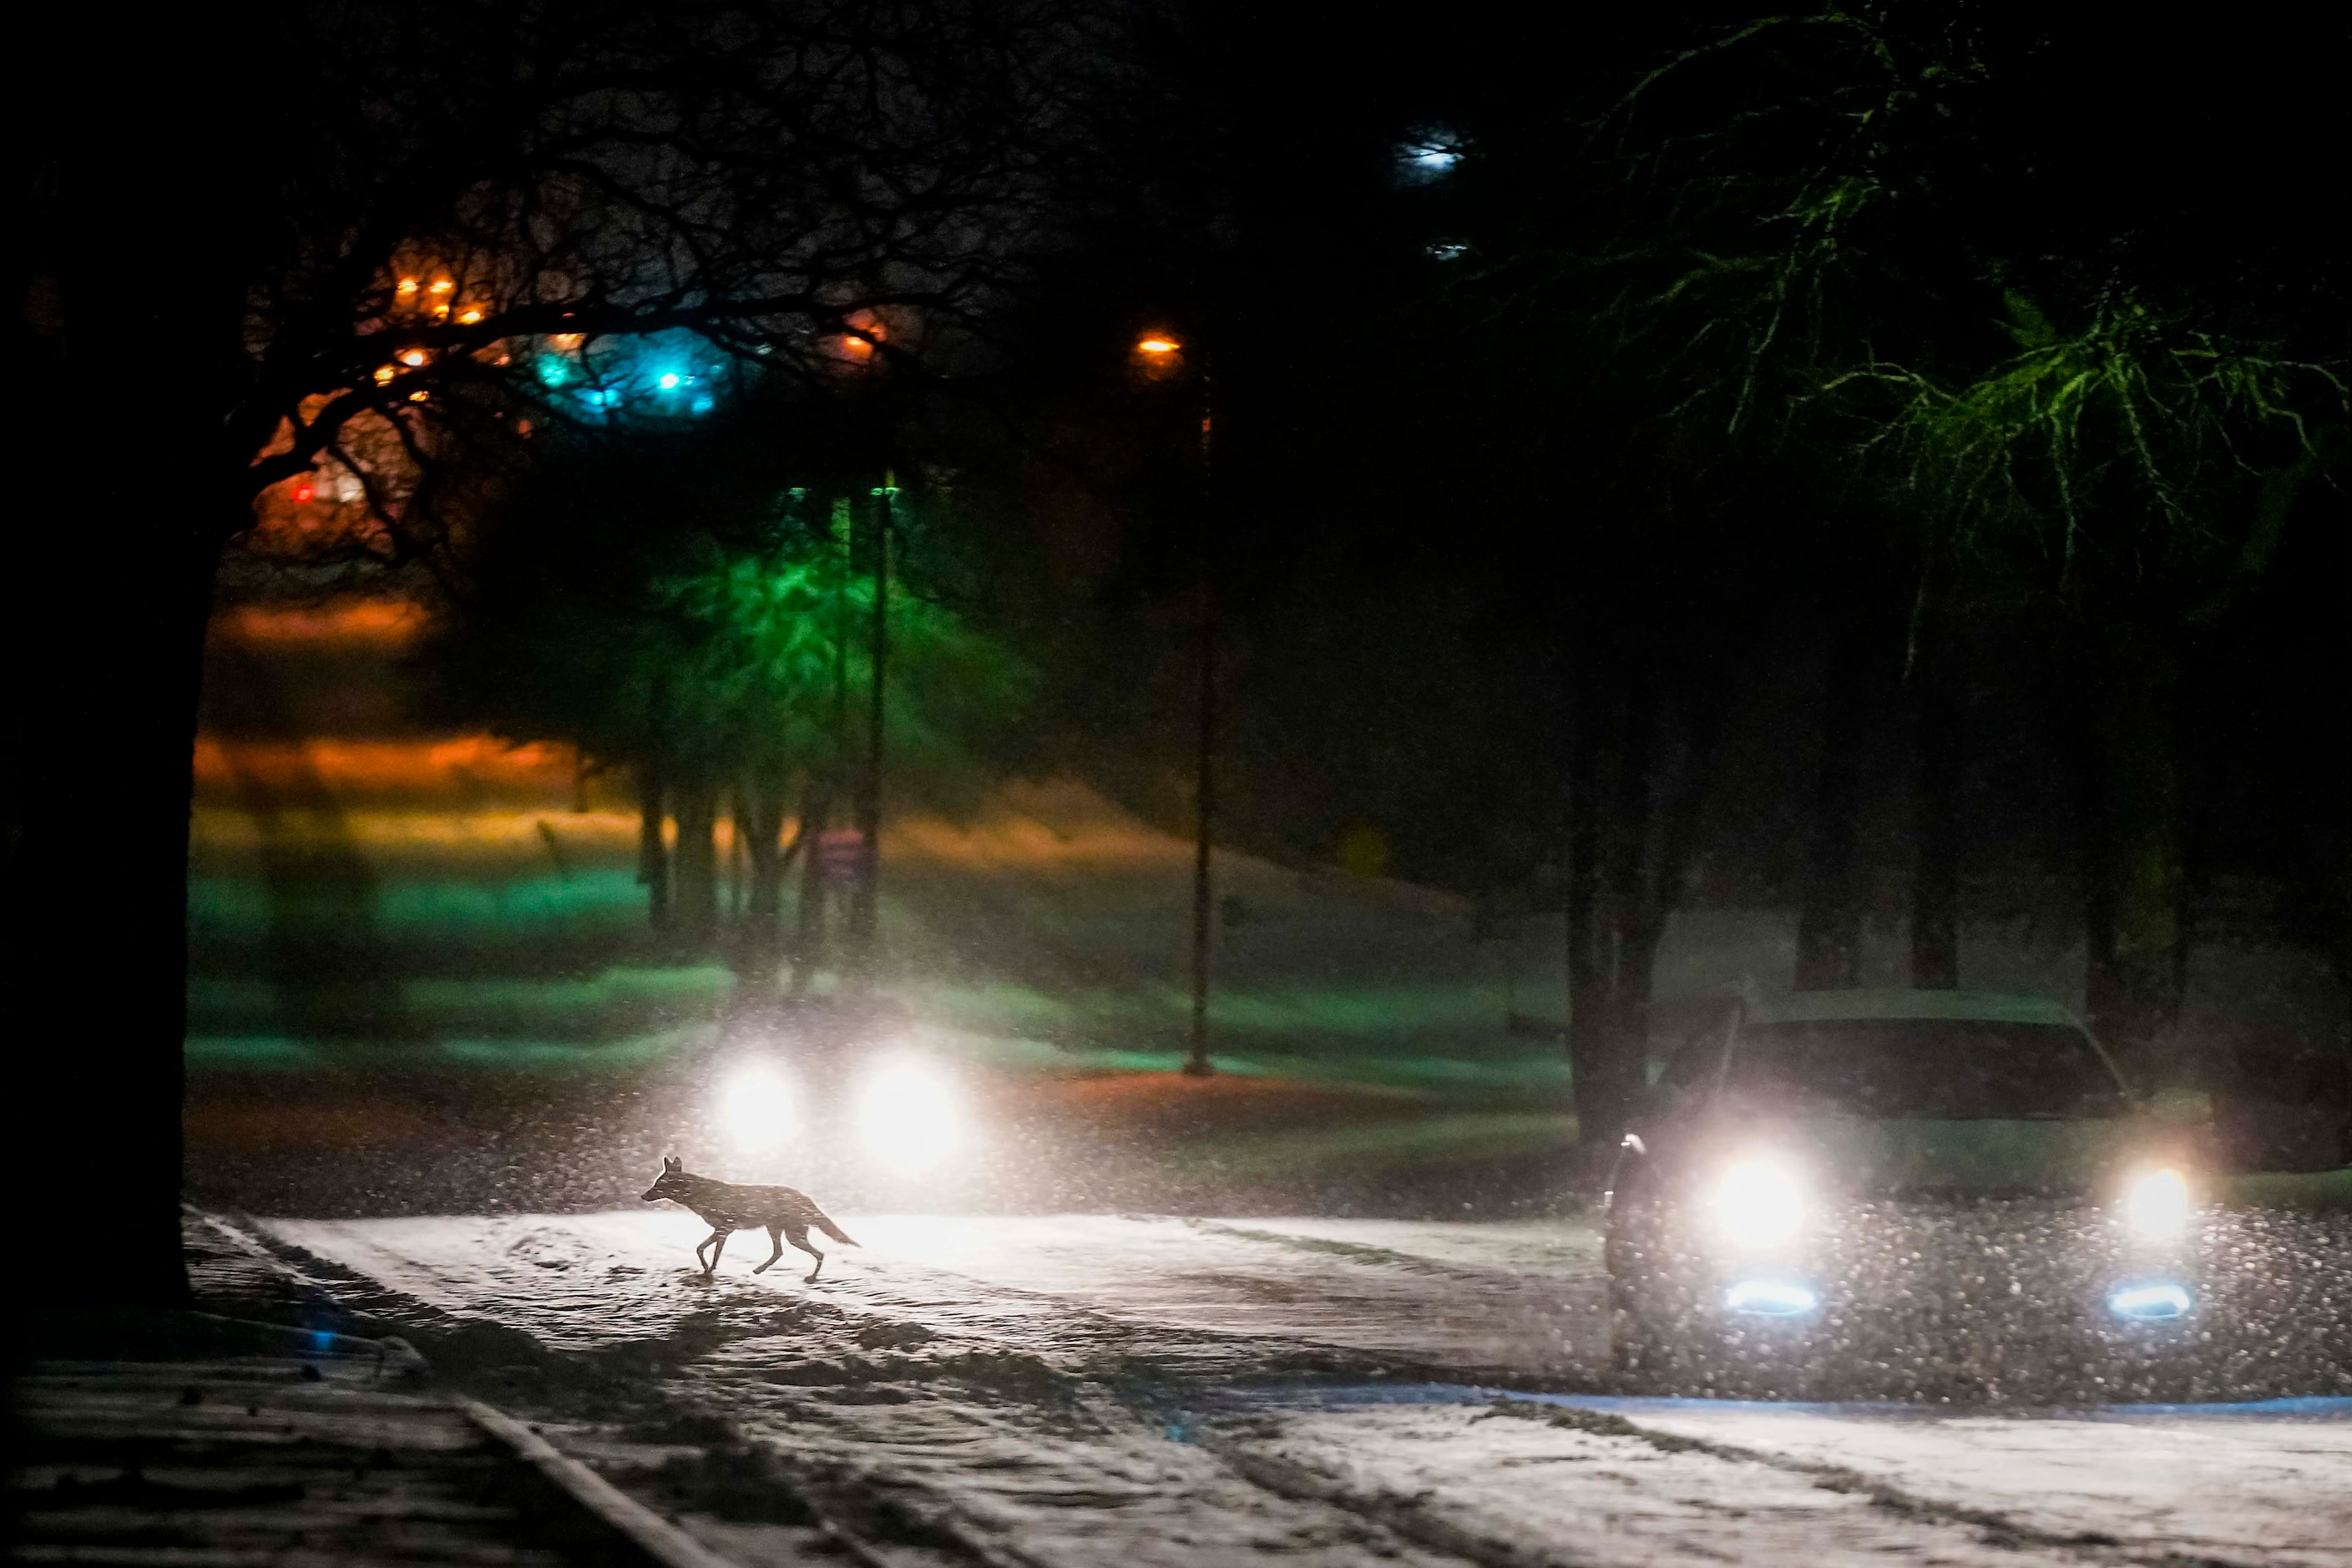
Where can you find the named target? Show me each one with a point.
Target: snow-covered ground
(1092, 1389)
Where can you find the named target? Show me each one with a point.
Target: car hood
(1987, 1158)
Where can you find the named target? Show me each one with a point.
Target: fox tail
(825, 1224)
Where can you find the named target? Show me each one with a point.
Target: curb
(661, 1540)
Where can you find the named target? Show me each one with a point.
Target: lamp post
(865, 908)
(1160, 356)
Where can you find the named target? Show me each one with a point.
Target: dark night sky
(1409, 546)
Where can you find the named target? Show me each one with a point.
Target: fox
(785, 1215)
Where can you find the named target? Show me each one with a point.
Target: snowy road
(1086, 1389)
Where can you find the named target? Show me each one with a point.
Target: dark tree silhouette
(225, 212)
(2095, 380)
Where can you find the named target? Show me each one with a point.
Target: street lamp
(865, 906)
(1159, 356)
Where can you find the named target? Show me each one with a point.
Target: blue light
(553, 372)
(1436, 160)
(1770, 1298)
(594, 399)
(670, 380)
(705, 403)
(2158, 1302)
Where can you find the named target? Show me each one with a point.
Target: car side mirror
(2283, 1105)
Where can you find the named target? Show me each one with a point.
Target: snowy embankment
(1086, 1389)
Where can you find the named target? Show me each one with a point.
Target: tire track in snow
(1528, 1494)
(970, 1442)
(2196, 1486)
(1003, 1369)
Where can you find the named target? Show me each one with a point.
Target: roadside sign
(839, 852)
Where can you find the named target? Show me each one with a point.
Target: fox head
(670, 1183)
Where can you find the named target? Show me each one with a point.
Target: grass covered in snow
(426, 900)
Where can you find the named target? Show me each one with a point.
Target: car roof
(1984, 1006)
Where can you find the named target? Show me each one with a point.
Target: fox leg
(707, 1264)
(776, 1240)
(798, 1236)
(717, 1242)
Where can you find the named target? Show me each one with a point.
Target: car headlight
(2156, 1205)
(758, 1105)
(910, 1114)
(1760, 1204)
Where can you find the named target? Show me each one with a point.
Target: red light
(303, 492)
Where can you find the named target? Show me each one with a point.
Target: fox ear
(671, 1165)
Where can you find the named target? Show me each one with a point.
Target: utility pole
(864, 911)
(1204, 760)
(1157, 356)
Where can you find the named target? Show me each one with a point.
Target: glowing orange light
(408, 285)
(866, 330)
(470, 317)
(384, 372)
(567, 341)
(441, 286)
(413, 357)
(419, 396)
(354, 620)
(1158, 346)
(426, 771)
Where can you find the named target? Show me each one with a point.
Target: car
(1905, 1195)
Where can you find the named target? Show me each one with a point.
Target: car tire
(1635, 1349)
(1640, 1342)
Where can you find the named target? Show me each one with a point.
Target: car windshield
(1925, 1069)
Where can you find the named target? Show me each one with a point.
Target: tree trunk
(653, 855)
(99, 949)
(1626, 845)
(1935, 875)
(2134, 879)
(98, 955)
(732, 873)
(1632, 827)
(763, 830)
(1830, 923)
(808, 926)
(1614, 920)
(1589, 950)
(122, 536)
(2342, 869)
(1936, 866)
(696, 887)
